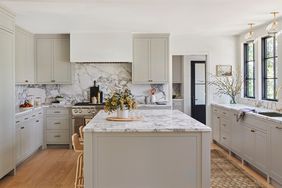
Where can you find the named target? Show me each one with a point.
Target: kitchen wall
(219, 50)
(109, 76)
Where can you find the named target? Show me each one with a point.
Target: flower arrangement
(228, 85)
(120, 100)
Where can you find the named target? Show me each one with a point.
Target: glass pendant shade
(272, 28)
(250, 35)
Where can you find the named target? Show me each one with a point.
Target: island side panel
(206, 159)
(158, 160)
(88, 157)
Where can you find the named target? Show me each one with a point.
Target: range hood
(100, 47)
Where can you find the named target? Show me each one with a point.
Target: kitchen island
(166, 149)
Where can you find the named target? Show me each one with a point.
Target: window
(269, 68)
(249, 70)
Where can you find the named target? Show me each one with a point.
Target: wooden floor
(55, 168)
(51, 168)
(257, 176)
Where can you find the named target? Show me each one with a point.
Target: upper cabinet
(177, 70)
(101, 47)
(53, 59)
(24, 57)
(150, 58)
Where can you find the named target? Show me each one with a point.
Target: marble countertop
(23, 111)
(153, 121)
(257, 109)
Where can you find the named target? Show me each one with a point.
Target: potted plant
(228, 85)
(121, 101)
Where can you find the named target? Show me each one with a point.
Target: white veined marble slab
(153, 121)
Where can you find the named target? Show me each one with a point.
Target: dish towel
(242, 113)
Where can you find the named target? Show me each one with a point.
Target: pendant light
(272, 28)
(250, 35)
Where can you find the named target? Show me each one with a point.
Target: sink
(270, 114)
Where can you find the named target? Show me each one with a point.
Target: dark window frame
(264, 68)
(246, 70)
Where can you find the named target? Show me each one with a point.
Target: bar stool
(81, 139)
(79, 178)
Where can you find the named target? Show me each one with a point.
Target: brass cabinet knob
(26, 81)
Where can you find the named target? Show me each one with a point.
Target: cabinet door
(261, 150)
(62, 65)
(44, 60)
(216, 127)
(276, 153)
(24, 57)
(177, 69)
(159, 60)
(141, 60)
(236, 137)
(18, 143)
(27, 137)
(249, 143)
(7, 102)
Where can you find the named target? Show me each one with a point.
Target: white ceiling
(207, 17)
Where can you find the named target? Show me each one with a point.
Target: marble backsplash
(272, 105)
(109, 76)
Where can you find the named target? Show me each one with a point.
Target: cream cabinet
(276, 152)
(24, 57)
(7, 94)
(29, 134)
(58, 126)
(53, 59)
(177, 69)
(150, 58)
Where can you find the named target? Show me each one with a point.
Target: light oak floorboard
(250, 171)
(51, 168)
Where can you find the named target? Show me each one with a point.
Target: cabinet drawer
(216, 110)
(225, 139)
(57, 137)
(57, 123)
(57, 111)
(226, 124)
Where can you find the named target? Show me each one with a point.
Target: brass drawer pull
(57, 136)
(253, 131)
(279, 128)
(57, 123)
(224, 138)
(57, 112)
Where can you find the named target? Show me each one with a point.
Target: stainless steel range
(82, 113)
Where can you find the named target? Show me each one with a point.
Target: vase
(122, 113)
(233, 100)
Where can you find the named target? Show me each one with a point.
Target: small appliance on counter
(96, 96)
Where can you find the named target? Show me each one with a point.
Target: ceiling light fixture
(250, 35)
(272, 28)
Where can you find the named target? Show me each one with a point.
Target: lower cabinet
(29, 134)
(216, 125)
(58, 126)
(276, 153)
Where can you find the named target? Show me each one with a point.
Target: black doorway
(198, 90)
